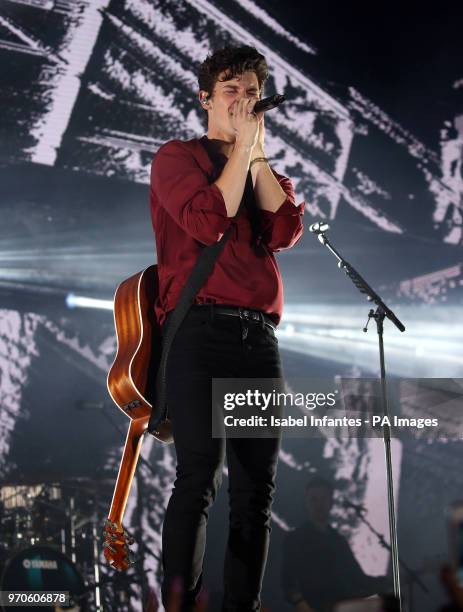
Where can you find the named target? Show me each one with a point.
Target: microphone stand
(378, 315)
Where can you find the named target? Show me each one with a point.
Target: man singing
(196, 190)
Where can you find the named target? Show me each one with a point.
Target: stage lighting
(79, 301)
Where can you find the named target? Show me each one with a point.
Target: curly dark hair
(235, 61)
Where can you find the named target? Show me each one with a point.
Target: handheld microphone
(268, 103)
(319, 227)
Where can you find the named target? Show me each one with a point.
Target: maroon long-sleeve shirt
(188, 211)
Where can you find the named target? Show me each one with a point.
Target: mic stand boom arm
(361, 284)
(381, 312)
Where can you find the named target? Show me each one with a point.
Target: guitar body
(131, 384)
(132, 375)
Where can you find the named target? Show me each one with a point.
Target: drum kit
(50, 541)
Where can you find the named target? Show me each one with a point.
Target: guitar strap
(201, 271)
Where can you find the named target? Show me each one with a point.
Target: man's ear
(204, 99)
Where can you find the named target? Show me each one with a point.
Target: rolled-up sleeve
(283, 228)
(182, 189)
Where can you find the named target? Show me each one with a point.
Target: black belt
(242, 313)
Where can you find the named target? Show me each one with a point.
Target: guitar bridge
(131, 405)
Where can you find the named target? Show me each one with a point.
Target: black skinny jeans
(207, 346)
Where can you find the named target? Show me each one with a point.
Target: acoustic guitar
(131, 383)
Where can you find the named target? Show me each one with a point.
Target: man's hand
(245, 122)
(258, 150)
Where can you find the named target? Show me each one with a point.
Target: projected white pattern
(449, 190)
(116, 79)
(17, 349)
